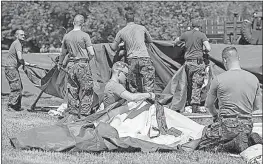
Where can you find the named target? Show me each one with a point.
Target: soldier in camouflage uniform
(194, 65)
(141, 76)
(77, 47)
(238, 95)
(13, 61)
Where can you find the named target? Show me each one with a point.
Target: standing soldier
(142, 72)
(77, 46)
(195, 66)
(13, 62)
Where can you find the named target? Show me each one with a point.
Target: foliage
(45, 21)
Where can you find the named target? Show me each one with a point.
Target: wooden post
(235, 28)
(225, 32)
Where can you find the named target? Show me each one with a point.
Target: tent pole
(33, 106)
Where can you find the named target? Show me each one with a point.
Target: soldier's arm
(206, 43)
(115, 45)
(178, 39)
(211, 98)
(91, 50)
(89, 46)
(63, 53)
(18, 48)
(136, 96)
(148, 37)
(257, 105)
(207, 46)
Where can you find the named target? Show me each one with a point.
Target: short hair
(119, 66)
(226, 53)
(79, 20)
(129, 15)
(18, 31)
(196, 23)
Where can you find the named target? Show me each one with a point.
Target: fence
(222, 30)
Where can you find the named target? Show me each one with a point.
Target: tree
(44, 22)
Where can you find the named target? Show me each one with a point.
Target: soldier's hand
(152, 95)
(33, 65)
(59, 66)
(215, 118)
(121, 44)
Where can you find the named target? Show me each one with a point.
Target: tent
(168, 61)
(158, 121)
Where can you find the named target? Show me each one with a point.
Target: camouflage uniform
(141, 74)
(227, 135)
(195, 77)
(79, 83)
(80, 88)
(16, 87)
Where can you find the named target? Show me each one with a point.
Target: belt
(77, 114)
(197, 59)
(235, 116)
(85, 60)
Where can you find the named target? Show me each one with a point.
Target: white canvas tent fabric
(141, 126)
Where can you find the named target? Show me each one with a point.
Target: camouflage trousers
(195, 79)
(80, 89)
(141, 76)
(227, 135)
(16, 87)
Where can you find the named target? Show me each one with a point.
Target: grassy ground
(15, 122)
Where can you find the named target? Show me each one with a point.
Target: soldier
(77, 46)
(13, 62)
(142, 72)
(194, 62)
(238, 93)
(115, 91)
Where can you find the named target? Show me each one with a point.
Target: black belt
(197, 60)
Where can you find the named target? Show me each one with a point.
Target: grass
(15, 122)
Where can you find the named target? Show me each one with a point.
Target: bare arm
(91, 50)
(19, 55)
(136, 96)
(257, 105)
(176, 41)
(114, 46)
(207, 46)
(210, 104)
(211, 98)
(63, 53)
(148, 38)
